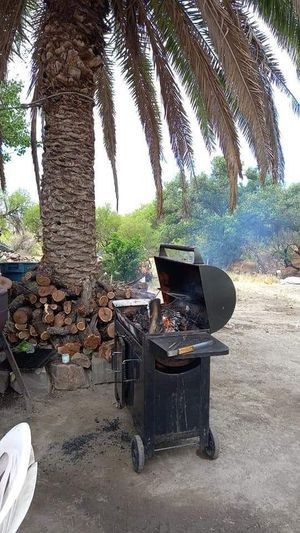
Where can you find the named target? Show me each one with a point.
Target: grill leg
(204, 402)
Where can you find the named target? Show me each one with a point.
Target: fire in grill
(162, 354)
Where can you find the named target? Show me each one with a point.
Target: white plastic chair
(18, 473)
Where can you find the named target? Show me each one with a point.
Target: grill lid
(207, 287)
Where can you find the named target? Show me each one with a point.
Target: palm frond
(262, 53)
(281, 17)
(10, 16)
(241, 73)
(105, 101)
(189, 82)
(171, 17)
(138, 72)
(178, 123)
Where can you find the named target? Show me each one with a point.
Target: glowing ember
(167, 322)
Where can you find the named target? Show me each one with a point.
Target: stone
(81, 359)
(101, 371)
(37, 382)
(4, 380)
(68, 377)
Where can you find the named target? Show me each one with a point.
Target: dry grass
(253, 278)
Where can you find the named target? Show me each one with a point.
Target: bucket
(15, 271)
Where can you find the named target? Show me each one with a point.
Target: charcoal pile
(70, 320)
(172, 318)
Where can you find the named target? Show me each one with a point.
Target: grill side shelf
(187, 346)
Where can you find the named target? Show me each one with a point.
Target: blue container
(15, 271)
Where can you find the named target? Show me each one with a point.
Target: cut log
(80, 324)
(105, 314)
(12, 338)
(37, 314)
(86, 299)
(17, 302)
(48, 315)
(81, 310)
(74, 292)
(156, 323)
(122, 294)
(105, 350)
(73, 329)
(110, 305)
(103, 301)
(109, 331)
(70, 347)
(54, 307)
(32, 298)
(59, 319)
(21, 327)
(58, 295)
(9, 327)
(67, 307)
(68, 320)
(38, 305)
(93, 325)
(22, 315)
(23, 335)
(38, 324)
(44, 300)
(91, 342)
(61, 331)
(111, 295)
(30, 275)
(33, 341)
(46, 291)
(43, 280)
(104, 285)
(33, 332)
(44, 335)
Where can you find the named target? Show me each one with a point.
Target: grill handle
(198, 260)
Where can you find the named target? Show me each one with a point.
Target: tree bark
(70, 50)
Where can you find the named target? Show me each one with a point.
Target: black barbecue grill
(164, 377)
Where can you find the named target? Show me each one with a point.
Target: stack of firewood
(71, 321)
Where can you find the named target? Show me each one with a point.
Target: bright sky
(135, 176)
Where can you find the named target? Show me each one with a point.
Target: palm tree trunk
(67, 196)
(69, 56)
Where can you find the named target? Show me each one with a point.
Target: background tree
(219, 54)
(122, 257)
(14, 134)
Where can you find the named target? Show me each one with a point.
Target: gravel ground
(85, 479)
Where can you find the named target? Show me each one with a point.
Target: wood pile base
(71, 321)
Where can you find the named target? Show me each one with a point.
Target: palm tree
(214, 49)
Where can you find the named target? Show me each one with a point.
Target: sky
(134, 171)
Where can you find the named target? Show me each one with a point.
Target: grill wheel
(137, 454)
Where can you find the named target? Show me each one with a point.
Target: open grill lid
(207, 287)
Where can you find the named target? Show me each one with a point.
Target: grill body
(169, 403)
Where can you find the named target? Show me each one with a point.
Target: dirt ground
(86, 482)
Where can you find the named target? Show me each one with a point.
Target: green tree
(218, 52)
(13, 208)
(14, 135)
(267, 217)
(142, 224)
(107, 223)
(122, 257)
(32, 221)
